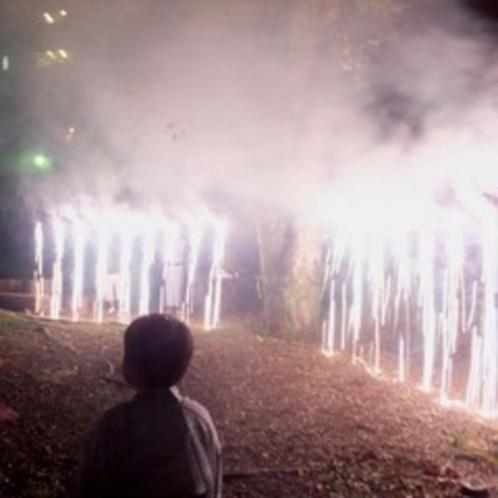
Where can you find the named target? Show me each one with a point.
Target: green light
(41, 162)
(32, 162)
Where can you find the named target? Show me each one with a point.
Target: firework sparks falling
(171, 239)
(38, 273)
(195, 239)
(489, 379)
(427, 303)
(403, 291)
(148, 250)
(59, 241)
(213, 297)
(79, 241)
(101, 272)
(126, 243)
(124, 294)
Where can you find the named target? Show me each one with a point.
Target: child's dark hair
(157, 351)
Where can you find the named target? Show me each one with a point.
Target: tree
(321, 33)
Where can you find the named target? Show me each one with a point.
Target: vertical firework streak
(101, 272)
(79, 241)
(356, 311)
(328, 343)
(59, 241)
(489, 378)
(212, 303)
(401, 255)
(328, 324)
(446, 321)
(195, 238)
(401, 360)
(219, 258)
(124, 281)
(482, 382)
(171, 234)
(451, 306)
(125, 227)
(473, 391)
(427, 291)
(376, 281)
(473, 306)
(38, 272)
(333, 263)
(148, 250)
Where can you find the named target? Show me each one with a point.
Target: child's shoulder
(195, 408)
(199, 421)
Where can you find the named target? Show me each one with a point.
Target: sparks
(404, 293)
(140, 262)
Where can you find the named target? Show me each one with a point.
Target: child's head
(157, 351)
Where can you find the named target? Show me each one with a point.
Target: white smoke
(275, 102)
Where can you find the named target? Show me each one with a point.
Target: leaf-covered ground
(292, 422)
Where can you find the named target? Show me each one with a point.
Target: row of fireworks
(421, 301)
(410, 293)
(128, 263)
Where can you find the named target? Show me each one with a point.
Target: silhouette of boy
(159, 444)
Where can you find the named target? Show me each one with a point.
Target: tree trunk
(290, 271)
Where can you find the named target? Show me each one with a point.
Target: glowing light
(450, 307)
(404, 290)
(41, 162)
(329, 325)
(376, 278)
(79, 241)
(63, 53)
(63, 12)
(401, 361)
(356, 311)
(195, 230)
(148, 250)
(427, 303)
(171, 238)
(126, 240)
(129, 244)
(70, 133)
(38, 273)
(101, 272)
(56, 293)
(489, 355)
(213, 297)
(5, 63)
(48, 18)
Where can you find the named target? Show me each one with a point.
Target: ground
(293, 423)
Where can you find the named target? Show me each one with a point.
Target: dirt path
(292, 422)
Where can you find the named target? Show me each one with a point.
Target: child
(159, 444)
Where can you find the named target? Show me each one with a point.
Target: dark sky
(488, 9)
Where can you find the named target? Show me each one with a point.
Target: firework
(38, 272)
(79, 241)
(213, 297)
(120, 249)
(59, 241)
(403, 297)
(100, 273)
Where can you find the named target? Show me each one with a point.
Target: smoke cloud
(271, 103)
